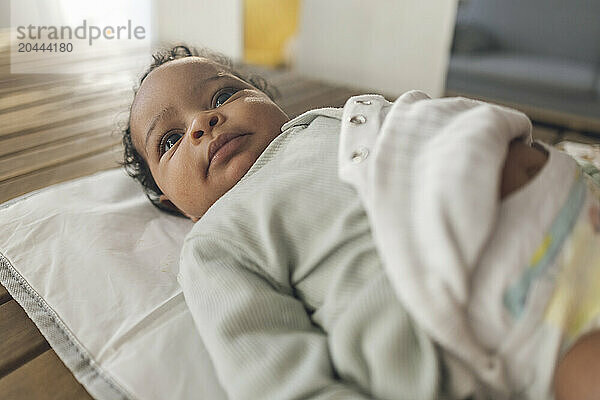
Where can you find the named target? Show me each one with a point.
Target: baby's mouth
(219, 143)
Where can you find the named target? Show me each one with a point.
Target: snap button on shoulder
(358, 119)
(365, 102)
(359, 155)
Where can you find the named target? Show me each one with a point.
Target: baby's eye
(169, 141)
(223, 97)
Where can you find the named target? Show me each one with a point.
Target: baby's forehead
(169, 79)
(180, 73)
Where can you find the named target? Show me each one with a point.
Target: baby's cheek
(239, 165)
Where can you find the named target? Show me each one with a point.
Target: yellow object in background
(268, 26)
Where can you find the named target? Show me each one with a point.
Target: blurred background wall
(543, 55)
(4, 14)
(385, 46)
(215, 24)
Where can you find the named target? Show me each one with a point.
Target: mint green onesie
(287, 290)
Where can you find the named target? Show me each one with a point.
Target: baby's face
(183, 113)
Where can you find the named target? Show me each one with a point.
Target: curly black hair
(133, 162)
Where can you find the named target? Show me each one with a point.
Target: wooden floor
(59, 127)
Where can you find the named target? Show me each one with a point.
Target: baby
(282, 273)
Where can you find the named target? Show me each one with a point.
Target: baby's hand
(577, 372)
(522, 163)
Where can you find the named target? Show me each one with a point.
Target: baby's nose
(197, 134)
(212, 121)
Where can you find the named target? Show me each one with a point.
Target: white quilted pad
(94, 265)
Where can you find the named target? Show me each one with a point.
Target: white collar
(308, 117)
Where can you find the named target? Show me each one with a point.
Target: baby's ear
(166, 203)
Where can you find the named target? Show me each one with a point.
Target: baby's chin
(239, 165)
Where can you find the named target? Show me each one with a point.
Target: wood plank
(60, 92)
(54, 153)
(16, 83)
(108, 55)
(100, 65)
(85, 165)
(86, 125)
(4, 296)
(21, 340)
(34, 97)
(43, 378)
(48, 115)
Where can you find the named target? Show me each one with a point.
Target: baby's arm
(522, 163)
(260, 338)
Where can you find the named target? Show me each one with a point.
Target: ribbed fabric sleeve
(261, 340)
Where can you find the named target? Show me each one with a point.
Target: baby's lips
(219, 142)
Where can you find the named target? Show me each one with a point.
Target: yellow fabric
(268, 25)
(539, 253)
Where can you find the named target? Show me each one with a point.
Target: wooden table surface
(55, 128)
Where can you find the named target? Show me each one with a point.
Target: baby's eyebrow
(218, 76)
(153, 124)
